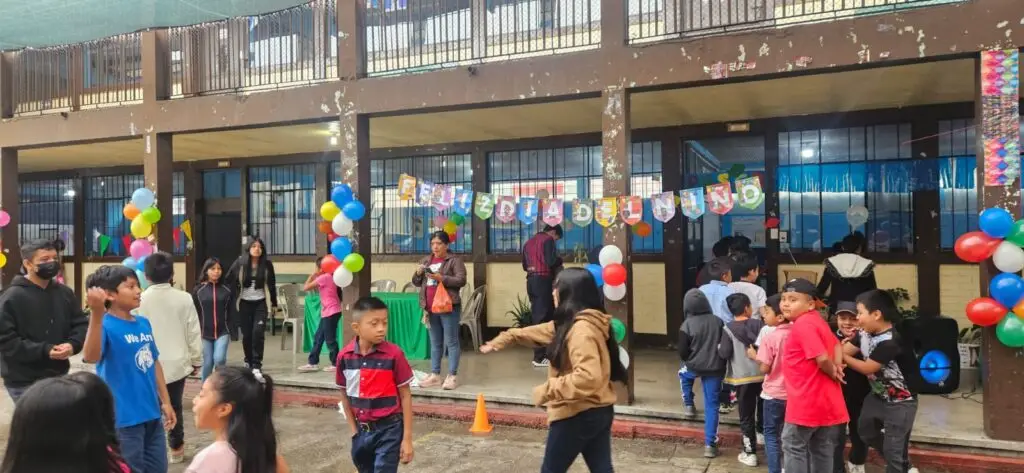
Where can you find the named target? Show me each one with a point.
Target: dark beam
(673, 237)
(927, 236)
(10, 202)
(6, 88)
(771, 203)
(158, 171)
(481, 229)
(322, 193)
(351, 40)
(156, 65)
(193, 181)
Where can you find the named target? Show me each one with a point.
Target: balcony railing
(415, 35)
(286, 48)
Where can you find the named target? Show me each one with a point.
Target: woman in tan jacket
(578, 394)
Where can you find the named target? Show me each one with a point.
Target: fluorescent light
(807, 153)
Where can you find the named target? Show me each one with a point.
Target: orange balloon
(324, 227)
(1018, 310)
(130, 211)
(643, 229)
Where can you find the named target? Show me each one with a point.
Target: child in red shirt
(812, 367)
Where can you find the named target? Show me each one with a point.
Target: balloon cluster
(1001, 239)
(449, 225)
(5, 219)
(143, 214)
(339, 215)
(610, 274)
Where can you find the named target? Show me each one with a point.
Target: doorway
(221, 215)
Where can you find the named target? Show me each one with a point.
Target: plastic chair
(383, 285)
(410, 287)
(471, 313)
(294, 314)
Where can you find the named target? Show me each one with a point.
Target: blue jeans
(215, 353)
(711, 387)
(774, 420)
(588, 433)
(16, 392)
(326, 332)
(144, 446)
(377, 451)
(444, 333)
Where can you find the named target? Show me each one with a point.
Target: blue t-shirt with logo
(128, 365)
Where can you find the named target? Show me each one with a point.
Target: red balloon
(975, 247)
(331, 236)
(614, 274)
(329, 264)
(985, 311)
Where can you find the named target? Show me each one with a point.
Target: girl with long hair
(252, 277)
(584, 357)
(215, 303)
(236, 405)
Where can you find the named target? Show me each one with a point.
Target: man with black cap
(542, 263)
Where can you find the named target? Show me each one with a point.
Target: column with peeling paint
(9, 201)
(354, 150)
(158, 155)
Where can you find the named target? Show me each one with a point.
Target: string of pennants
(694, 202)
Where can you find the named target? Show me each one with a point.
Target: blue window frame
(47, 210)
(281, 209)
(105, 198)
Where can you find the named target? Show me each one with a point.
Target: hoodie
(700, 335)
(586, 382)
(215, 304)
(33, 320)
(739, 335)
(849, 275)
(172, 313)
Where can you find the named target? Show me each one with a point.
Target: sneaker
(431, 381)
(689, 412)
(258, 373)
(175, 457)
(330, 369)
(748, 459)
(710, 451)
(725, 408)
(450, 383)
(309, 368)
(760, 438)
(542, 363)
(851, 468)
(912, 469)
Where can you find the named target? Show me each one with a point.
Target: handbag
(442, 301)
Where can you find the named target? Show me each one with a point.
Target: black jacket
(215, 304)
(32, 321)
(700, 335)
(236, 278)
(857, 386)
(848, 275)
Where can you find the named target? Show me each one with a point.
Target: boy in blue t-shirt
(126, 357)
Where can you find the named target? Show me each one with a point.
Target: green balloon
(151, 215)
(1016, 235)
(458, 219)
(1010, 331)
(618, 330)
(354, 262)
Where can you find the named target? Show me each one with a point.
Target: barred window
(48, 211)
(281, 208)
(105, 198)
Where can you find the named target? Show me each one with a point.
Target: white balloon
(857, 215)
(624, 357)
(1009, 258)
(342, 277)
(610, 254)
(341, 225)
(615, 293)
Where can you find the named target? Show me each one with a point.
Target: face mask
(48, 270)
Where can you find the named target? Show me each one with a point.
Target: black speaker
(929, 333)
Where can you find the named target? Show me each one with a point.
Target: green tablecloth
(404, 327)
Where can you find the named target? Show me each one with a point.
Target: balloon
(1011, 331)
(130, 211)
(354, 210)
(143, 282)
(341, 225)
(1016, 235)
(5, 218)
(140, 264)
(324, 227)
(624, 357)
(329, 264)
(618, 330)
(1006, 289)
(140, 249)
(450, 227)
(354, 262)
(975, 247)
(995, 222)
(1008, 258)
(3, 260)
(857, 215)
(341, 247)
(1018, 310)
(935, 367)
(440, 220)
(151, 215)
(609, 254)
(140, 227)
(143, 198)
(131, 263)
(614, 274)
(595, 270)
(642, 229)
(329, 210)
(458, 219)
(331, 236)
(341, 195)
(614, 293)
(452, 236)
(342, 277)
(985, 311)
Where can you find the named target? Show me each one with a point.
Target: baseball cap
(801, 286)
(843, 307)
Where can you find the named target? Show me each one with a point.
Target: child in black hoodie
(854, 392)
(742, 371)
(699, 337)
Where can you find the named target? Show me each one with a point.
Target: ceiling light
(334, 141)
(334, 127)
(807, 153)
(69, 193)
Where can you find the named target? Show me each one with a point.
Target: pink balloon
(140, 249)
(5, 218)
(440, 220)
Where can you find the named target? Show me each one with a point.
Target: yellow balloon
(141, 228)
(328, 211)
(3, 260)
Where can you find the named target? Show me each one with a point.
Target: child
(719, 272)
(811, 366)
(745, 271)
(743, 372)
(215, 302)
(69, 412)
(127, 359)
(854, 392)
(699, 337)
(888, 414)
(330, 316)
(374, 376)
(172, 313)
(236, 397)
(773, 392)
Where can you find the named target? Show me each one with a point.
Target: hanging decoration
(1000, 96)
(720, 198)
(506, 209)
(527, 212)
(691, 202)
(605, 211)
(444, 196)
(631, 209)
(463, 202)
(343, 261)
(582, 212)
(663, 206)
(484, 206)
(749, 193)
(406, 187)
(613, 273)
(425, 195)
(552, 211)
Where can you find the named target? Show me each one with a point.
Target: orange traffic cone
(481, 423)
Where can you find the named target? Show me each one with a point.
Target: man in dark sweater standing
(41, 322)
(542, 263)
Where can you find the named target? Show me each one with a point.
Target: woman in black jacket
(848, 274)
(215, 304)
(252, 277)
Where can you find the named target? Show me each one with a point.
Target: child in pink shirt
(330, 317)
(773, 390)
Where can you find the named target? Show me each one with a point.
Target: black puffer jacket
(700, 335)
(215, 304)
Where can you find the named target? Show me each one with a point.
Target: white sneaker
(851, 468)
(309, 368)
(911, 470)
(760, 439)
(748, 459)
(542, 363)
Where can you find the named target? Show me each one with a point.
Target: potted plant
(520, 313)
(969, 346)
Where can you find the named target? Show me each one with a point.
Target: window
(281, 208)
(958, 190)
(822, 173)
(222, 184)
(47, 211)
(105, 198)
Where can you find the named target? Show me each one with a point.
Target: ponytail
(250, 430)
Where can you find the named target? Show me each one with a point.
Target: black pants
(252, 317)
(858, 449)
(747, 396)
(378, 450)
(897, 419)
(176, 391)
(588, 433)
(542, 305)
(326, 332)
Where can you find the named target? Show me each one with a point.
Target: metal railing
(285, 48)
(414, 35)
(651, 20)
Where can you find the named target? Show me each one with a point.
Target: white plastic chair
(294, 314)
(383, 285)
(471, 313)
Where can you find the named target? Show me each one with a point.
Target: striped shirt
(371, 381)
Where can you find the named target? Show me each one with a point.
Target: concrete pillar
(9, 238)
(351, 41)
(481, 230)
(158, 170)
(355, 171)
(156, 65)
(673, 235)
(6, 88)
(616, 145)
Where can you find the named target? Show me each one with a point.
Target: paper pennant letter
(425, 197)
(506, 209)
(463, 203)
(444, 196)
(631, 208)
(554, 210)
(749, 192)
(720, 198)
(528, 210)
(605, 211)
(582, 212)
(691, 201)
(406, 187)
(186, 228)
(484, 205)
(663, 206)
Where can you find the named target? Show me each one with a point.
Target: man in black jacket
(41, 322)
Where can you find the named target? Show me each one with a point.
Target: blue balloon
(935, 367)
(354, 210)
(995, 222)
(1006, 288)
(595, 270)
(143, 283)
(131, 263)
(341, 195)
(341, 247)
(143, 198)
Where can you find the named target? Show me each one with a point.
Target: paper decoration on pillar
(484, 206)
(527, 210)
(406, 187)
(506, 209)
(749, 193)
(691, 202)
(1000, 110)
(444, 196)
(720, 198)
(553, 211)
(582, 212)
(663, 206)
(463, 202)
(631, 209)
(605, 211)
(425, 194)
